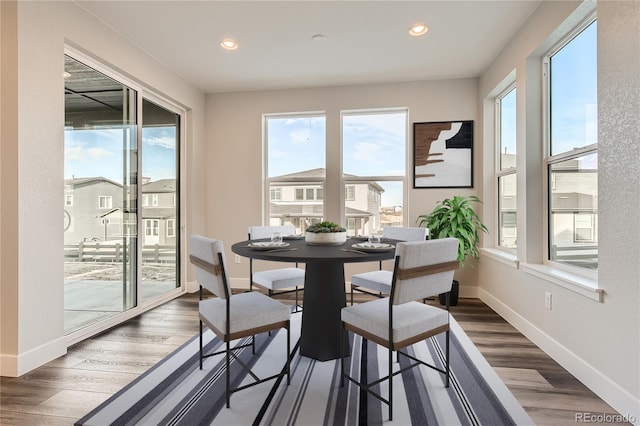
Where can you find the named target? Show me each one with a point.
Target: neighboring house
(297, 199)
(159, 212)
(92, 209)
(574, 214)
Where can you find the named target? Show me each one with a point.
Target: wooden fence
(113, 252)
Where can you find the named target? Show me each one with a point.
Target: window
(105, 202)
(506, 171)
(154, 200)
(276, 194)
(350, 192)
(68, 200)
(171, 227)
(572, 151)
(295, 169)
(145, 200)
(374, 147)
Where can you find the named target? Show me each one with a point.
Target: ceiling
(366, 41)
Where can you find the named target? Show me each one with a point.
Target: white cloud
(163, 141)
(80, 153)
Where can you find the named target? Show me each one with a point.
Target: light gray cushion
(405, 233)
(277, 279)
(207, 249)
(248, 311)
(424, 253)
(409, 319)
(258, 232)
(374, 280)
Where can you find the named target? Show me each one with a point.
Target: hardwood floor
(65, 389)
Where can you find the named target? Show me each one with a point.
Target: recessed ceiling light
(229, 44)
(418, 29)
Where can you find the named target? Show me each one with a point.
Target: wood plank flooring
(65, 389)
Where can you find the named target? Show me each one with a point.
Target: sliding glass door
(121, 182)
(160, 132)
(100, 206)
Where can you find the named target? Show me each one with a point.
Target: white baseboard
(612, 393)
(17, 365)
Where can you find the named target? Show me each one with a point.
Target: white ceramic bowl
(326, 238)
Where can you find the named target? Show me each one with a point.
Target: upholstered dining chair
(422, 269)
(380, 281)
(236, 316)
(281, 280)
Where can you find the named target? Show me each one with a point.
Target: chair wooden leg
(351, 294)
(201, 345)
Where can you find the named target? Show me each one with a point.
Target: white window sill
(501, 256)
(584, 286)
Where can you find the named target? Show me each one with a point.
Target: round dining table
(324, 287)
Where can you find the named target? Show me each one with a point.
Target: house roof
(89, 181)
(315, 174)
(158, 213)
(162, 185)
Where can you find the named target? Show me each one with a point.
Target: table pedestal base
(324, 297)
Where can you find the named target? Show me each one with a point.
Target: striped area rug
(176, 392)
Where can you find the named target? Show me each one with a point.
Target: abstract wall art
(443, 154)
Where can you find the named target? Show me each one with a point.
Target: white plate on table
(267, 245)
(373, 247)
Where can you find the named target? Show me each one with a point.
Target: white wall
(235, 149)
(34, 333)
(597, 341)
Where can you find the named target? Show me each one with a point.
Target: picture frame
(443, 154)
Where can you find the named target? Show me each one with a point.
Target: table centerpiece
(326, 233)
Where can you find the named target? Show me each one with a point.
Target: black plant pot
(453, 297)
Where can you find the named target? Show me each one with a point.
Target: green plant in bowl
(325, 227)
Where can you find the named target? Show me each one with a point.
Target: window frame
(548, 160)
(171, 226)
(347, 180)
(500, 172)
(108, 201)
(299, 181)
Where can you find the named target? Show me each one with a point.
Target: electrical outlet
(547, 300)
(237, 258)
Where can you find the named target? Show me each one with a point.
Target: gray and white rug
(176, 392)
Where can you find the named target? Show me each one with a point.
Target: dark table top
(305, 253)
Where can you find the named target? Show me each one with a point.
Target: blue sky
(99, 152)
(373, 145)
(574, 114)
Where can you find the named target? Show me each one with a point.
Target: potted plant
(455, 217)
(327, 233)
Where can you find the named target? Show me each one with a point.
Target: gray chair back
(405, 233)
(258, 232)
(423, 269)
(210, 277)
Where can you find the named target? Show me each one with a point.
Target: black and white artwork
(443, 154)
